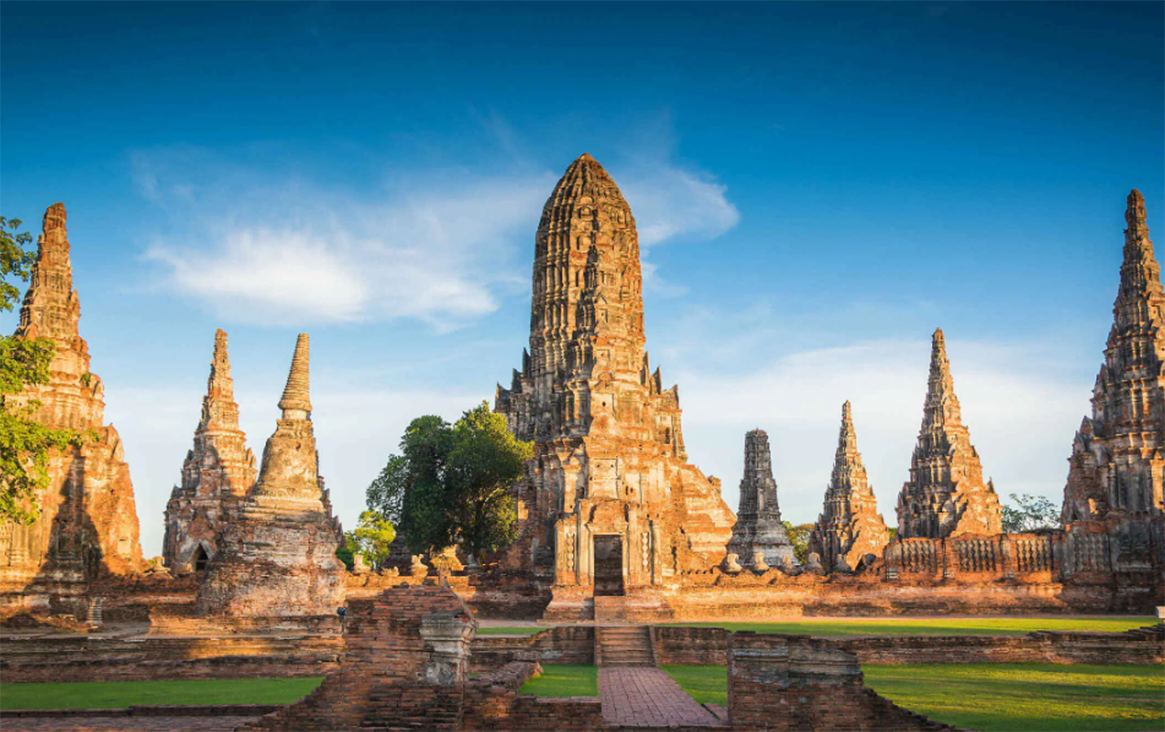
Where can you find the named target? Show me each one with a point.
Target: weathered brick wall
(778, 683)
(676, 644)
(561, 644)
(492, 702)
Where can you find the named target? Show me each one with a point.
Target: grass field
(120, 694)
(1000, 697)
(938, 626)
(564, 680)
(507, 630)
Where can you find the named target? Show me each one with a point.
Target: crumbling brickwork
(758, 526)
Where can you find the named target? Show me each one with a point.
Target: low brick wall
(562, 644)
(492, 702)
(699, 645)
(148, 710)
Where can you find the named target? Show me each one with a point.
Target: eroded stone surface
(218, 472)
(88, 521)
(609, 456)
(278, 557)
(758, 528)
(946, 494)
(849, 526)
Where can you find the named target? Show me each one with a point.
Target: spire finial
(296, 395)
(1135, 211)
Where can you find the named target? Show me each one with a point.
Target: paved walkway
(638, 696)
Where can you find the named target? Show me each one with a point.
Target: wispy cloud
(441, 246)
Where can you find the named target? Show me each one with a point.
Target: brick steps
(624, 646)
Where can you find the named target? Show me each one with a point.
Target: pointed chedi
(87, 522)
(217, 473)
(1118, 457)
(278, 558)
(758, 522)
(609, 451)
(849, 526)
(946, 494)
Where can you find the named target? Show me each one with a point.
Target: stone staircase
(624, 645)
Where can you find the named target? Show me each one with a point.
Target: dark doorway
(608, 565)
(200, 558)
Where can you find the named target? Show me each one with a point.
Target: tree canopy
(372, 537)
(450, 484)
(24, 443)
(1029, 513)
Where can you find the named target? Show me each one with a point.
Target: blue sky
(817, 187)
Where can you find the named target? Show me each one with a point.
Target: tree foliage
(24, 443)
(450, 484)
(799, 538)
(372, 537)
(1029, 513)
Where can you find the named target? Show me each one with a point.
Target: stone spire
(604, 427)
(278, 557)
(945, 494)
(218, 471)
(758, 523)
(51, 308)
(88, 509)
(849, 526)
(1117, 461)
(296, 401)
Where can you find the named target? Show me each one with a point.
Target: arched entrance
(608, 565)
(200, 558)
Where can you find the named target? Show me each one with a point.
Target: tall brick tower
(945, 494)
(88, 520)
(609, 504)
(1118, 457)
(217, 473)
(849, 526)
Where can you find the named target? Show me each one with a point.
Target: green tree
(372, 537)
(344, 554)
(799, 537)
(1029, 514)
(24, 443)
(450, 484)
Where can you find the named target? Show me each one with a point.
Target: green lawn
(706, 684)
(505, 630)
(1000, 697)
(938, 626)
(119, 694)
(564, 680)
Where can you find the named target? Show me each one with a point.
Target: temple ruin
(609, 506)
(277, 558)
(758, 532)
(88, 524)
(1114, 496)
(945, 495)
(849, 526)
(217, 473)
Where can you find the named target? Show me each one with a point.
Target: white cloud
(1021, 409)
(439, 246)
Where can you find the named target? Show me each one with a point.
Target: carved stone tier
(609, 501)
(946, 494)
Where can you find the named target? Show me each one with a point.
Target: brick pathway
(636, 696)
(123, 724)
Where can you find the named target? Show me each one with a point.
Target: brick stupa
(758, 522)
(1118, 456)
(217, 473)
(946, 494)
(88, 522)
(849, 526)
(278, 558)
(610, 503)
